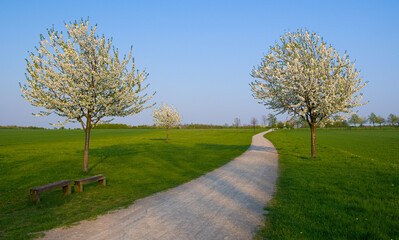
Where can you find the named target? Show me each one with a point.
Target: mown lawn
(350, 191)
(136, 163)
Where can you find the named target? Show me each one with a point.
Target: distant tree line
(182, 126)
(373, 119)
(112, 126)
(354, 121)
(269, 121)
(19, 127)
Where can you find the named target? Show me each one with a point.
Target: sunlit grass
(350, 191)
(136, 163)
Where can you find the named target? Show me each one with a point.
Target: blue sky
(199, 54)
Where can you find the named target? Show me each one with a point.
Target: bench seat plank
(35, 192)
(79, 183)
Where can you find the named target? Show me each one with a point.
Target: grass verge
(350, 191)
(136, 163)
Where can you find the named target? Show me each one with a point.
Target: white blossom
(303, 76)
(166, 117)
(82, 77)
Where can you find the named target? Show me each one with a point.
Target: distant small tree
(280, 124)
(372, 118)
(301, 123)
(292, 122)
(362, 121)
(166, 117)
(354, 119)
(392, 119)
(338, 121)
(80, 77)
(272, 120)
(237, 122)
(380, 120)
(264, 120)
(254, 121)
(341, 123)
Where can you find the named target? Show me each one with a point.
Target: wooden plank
(52, 186)
(90, 179)
(79, 183)
(35, 192)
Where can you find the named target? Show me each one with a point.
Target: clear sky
(199, 54)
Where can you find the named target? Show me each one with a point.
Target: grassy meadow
(349, 191)
(136, 163)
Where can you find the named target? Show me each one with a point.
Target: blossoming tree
(166, 117)
(305, 77)
(79, 76)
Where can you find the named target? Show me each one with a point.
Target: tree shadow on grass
(104, 153)
(261, 148)
(107, 152)
(221, 147)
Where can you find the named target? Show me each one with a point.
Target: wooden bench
(35, 192)
(79, 183)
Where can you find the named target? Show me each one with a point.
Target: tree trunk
(167, 134)
(313, 139)
(86, 152)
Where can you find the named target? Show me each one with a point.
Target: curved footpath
(226, 203)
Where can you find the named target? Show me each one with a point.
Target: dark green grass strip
(137, 163)
(350, 191)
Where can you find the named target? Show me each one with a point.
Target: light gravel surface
(226, 203)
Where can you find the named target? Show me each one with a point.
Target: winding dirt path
(226, 203)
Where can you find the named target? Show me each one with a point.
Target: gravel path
(226, 203)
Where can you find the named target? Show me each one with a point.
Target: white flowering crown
(304, 76)
(79, 75)
(166, 116)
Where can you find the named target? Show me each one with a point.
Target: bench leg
(78, 187)
(66, 189)
(34, 196)
(101, 182)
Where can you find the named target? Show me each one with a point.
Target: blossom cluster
(166, 116)
(80, 76)
(304, 76)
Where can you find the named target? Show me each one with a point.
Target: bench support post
(78, 187)
(101, 182)
(67, 189)
(34, 195)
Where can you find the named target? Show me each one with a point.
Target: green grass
(137, 163)
(350, 191)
